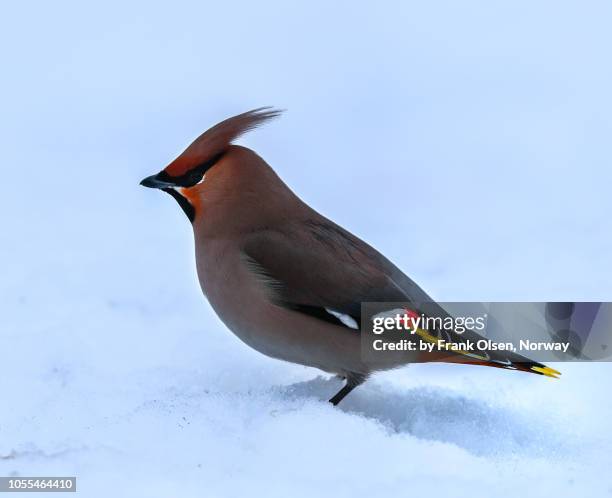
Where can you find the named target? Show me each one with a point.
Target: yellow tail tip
(549, 372)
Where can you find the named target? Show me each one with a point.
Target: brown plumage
(286, 280)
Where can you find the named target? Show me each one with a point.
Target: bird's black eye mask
(191, 177)
(168, 183)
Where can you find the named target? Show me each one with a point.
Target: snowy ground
(476, 159)
(115, 370)
(159, 400)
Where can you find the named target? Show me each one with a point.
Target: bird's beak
(154, 182)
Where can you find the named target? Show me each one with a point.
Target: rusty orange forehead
(181, 165)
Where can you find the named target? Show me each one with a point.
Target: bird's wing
(318, 268)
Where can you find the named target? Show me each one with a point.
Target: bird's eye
(195, 177)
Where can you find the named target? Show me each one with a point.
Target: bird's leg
(352, 381)
(339, 396)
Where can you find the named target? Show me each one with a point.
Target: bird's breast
(243, 304)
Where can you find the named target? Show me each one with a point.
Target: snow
(481, 169)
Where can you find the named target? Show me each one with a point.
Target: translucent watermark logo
(507, 333)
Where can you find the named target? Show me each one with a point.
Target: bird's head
(184, 177)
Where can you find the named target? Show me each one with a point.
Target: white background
(468, 141)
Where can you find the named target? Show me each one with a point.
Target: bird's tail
(537, 368)
(522, 364)
(510, 361)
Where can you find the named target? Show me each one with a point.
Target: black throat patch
(184, 203)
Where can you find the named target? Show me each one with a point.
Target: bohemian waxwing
(285, 279)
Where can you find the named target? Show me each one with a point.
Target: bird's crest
(210, 145)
